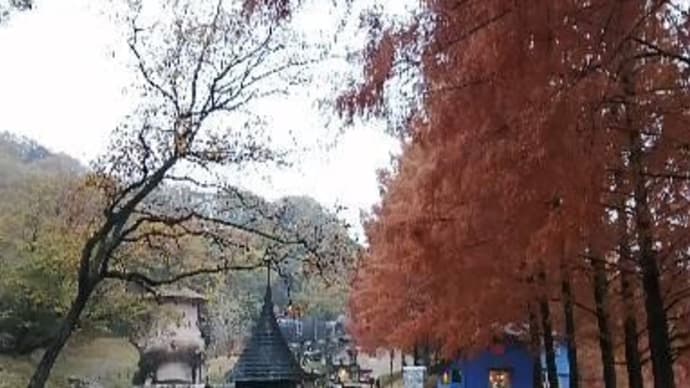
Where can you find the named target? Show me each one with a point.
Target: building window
(298, 326)
(452, 375)
(456, 376)
(500, 378)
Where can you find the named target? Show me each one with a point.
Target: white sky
(60, 85)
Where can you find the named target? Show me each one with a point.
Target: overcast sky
(62, 85)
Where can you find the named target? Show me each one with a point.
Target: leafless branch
(149, 282)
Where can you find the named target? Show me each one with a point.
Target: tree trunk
(42, 372)
(657, 324)
(633, 361)
(392, 357)
(547, 332)
(535, 342)
(605, 338)
(426, 357)
(570, 331)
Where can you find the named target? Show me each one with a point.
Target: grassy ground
(391, 381)
(218, 367)
(111, 361)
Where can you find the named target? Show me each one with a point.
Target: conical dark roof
(267, 356)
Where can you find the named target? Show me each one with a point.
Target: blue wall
(516, 359)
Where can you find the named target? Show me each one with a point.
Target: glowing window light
(499, 378)
(446, 378)
(343, 375)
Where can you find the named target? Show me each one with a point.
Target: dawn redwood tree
(414, 244)
(535, 347)
(402, 292)
(640, 58)
(201, 67)
(647, 107)
(569, 322)
(628, 284)
(547, 331)
(600, 284)
(523, 107)
(485, 209)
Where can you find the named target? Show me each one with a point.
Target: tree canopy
(541, 125)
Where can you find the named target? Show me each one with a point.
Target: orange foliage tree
(549, 152)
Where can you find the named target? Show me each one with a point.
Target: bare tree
(7, 7)
(202, 67)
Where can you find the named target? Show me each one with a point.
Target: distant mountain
(21, 157)
(21, 147)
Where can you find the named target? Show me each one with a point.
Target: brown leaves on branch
(280, 9)
(159, 187)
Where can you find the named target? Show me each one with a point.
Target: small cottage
(508, 365)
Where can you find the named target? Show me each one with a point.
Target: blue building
(509, 366)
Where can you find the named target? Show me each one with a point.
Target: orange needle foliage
(507, 169)
(496, 143)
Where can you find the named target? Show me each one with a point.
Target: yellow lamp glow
(343, 375)
(446, 377)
